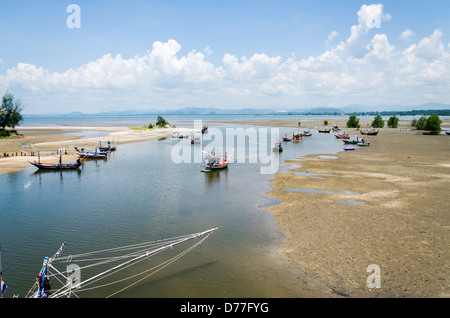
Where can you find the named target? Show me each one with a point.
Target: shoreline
(50, 139)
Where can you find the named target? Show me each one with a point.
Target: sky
(164, 55)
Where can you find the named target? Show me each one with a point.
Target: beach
(393, 214)
(48, 140)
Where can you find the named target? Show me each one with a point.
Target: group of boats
(296, 137)
(100, 152)
(362, 142)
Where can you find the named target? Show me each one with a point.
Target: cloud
(407, 35)
(378, 74)
(331, 36)
(369, 17)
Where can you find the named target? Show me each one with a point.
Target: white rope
(167, 264)
(155, 268)
(169, 244)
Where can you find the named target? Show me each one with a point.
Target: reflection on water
(140, 194)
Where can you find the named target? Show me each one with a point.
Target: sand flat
(403, 226)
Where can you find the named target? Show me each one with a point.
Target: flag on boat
(3, 286)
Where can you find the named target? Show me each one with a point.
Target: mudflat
(394, 214)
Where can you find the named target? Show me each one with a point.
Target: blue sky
(234, 54)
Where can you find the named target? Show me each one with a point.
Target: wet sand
(401, 223)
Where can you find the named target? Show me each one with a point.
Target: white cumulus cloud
(365, 69)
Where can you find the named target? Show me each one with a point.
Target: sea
(153, 190)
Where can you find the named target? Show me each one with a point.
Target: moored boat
(277, 147)
(91, 154)
(109, 147)
(214, 163)
(370, 133)
(56, 166)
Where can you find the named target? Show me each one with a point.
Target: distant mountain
(254, 111)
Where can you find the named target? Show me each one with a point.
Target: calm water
(140, 194)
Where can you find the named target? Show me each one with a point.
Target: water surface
(140, 194)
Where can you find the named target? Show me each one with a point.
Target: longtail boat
(110, 147)
(342, 136)
(370, 133)
(214, 163)
(92, 154)
(56, 166)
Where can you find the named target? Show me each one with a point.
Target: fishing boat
(447, 132)
(342, 136)
(336, 128)
(56, 166)
(213, 163)
(349, 149)
(324, 131)
(204, 129)
(306, 133)
(277, 147)
(297, 137)
(286, 138)
(54, 281)
(109, 147)
(353, 141)
(370, 133)
(91, 154)
(363, 144)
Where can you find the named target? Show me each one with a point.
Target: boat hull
(51, 166)
(210, 168)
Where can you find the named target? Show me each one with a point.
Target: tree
(420, 123)
(433, 124)
(353, 122)
(378, 122)
(10, 111)
(325, 122)
(393, 122)
(161, 122)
